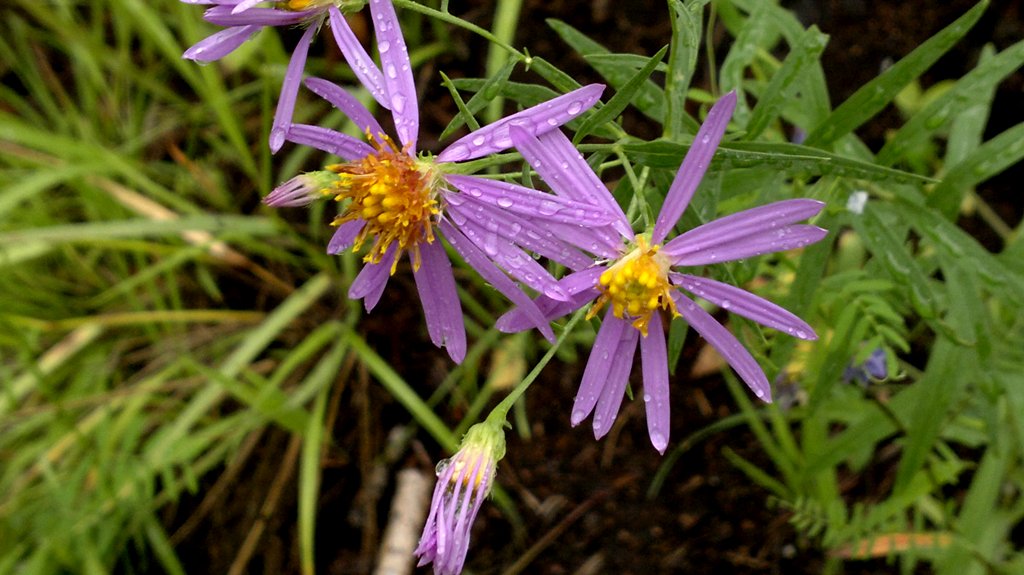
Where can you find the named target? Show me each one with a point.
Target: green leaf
(687, 17)
(620, 100)
(790, 159)
(976, 87)
(990, 159)
(894, 256)
(755, 35)
(944, 378)
(872, 97)
(489, 90)
(617, 69)
(804, 54)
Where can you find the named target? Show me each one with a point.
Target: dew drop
(658, 441)
(398, 103)
(277, 136)
(441, 466)
(555, 292)
(726, 304)
(504, 202)
(548, 208)
(705, 139)
(801, 334)
(578, 415)
(552, 122)
(392, 72)
(575, 108)
(516, 228)
(479, 140)
(647, 398)
(384, 46)
(475, 192)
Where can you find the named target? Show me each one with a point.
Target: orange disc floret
(637, 285)
(394, 194)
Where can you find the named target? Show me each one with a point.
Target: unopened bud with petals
(463, 482)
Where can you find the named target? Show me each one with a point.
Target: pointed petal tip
(456, 353)
(659, 442)
(277, 137)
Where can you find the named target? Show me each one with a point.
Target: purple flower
(635, 277)
(873, 368)
(243, 18)
(463, 482)
(401, 201)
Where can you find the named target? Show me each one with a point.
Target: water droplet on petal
(552, 122)
(277, 136)
(575, 108)
(658, 441)
(548, 208)
(647, 398)
(578, 415)
(398, 103)
(441, 466)
(705, 139)
(479, 140)
(504, 202)
(392, 72)
(726, 304)
(475, 192)
(384, 46)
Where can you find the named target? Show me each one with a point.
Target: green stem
(506, 16)
(499, 415)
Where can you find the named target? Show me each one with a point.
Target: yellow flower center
(637, 285)
(300, 5)
(394, 194)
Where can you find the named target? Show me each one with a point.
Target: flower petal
(582, 289)
(370, 283)
(245, 5)
(521, 231)
(541, 118)
(762, 220)
(224, 16)
(341, 99)
(512, 259)
(221, 44)
(289, 91)
(361, 63)
(599, 366)
(394, 62)
(559, 164)
(746, 304)
(479, 262)
(607, 409)
(344, 236)
(696, 162)
(515, 320)
(654, 357)
(529, 202)
(766, 242)
(440, 300)
(730, 348)
(329, 141)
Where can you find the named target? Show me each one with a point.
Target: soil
(583, 502)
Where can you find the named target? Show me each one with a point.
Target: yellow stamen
(637, 285)
(393, 193)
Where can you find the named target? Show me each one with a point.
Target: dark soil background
(585, 498)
